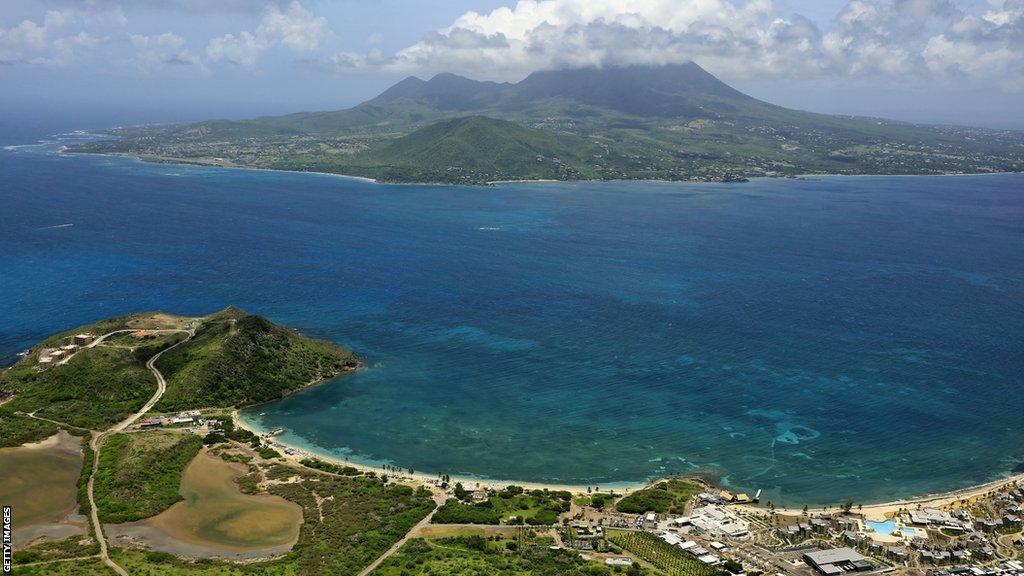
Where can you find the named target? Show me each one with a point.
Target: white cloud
(156, 52)
(869, 39)
(294, 27)
(981, 47)
(46, 44)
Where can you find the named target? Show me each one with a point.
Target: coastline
(178, 162)
(873, 511)
(493, 183)
(422, 477)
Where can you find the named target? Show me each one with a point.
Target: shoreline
(497, 183)
(871, 511)
(302, 452)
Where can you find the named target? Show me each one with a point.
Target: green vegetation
(673, 122)
(148, 563)
(16, 430)
(140, 474)
(88, 456)
(668, 496)
(82, 567)
(597, 500)
(473, 148)
(71, 547)
(236, 359)
(96, 389)
(354, 521)
(670, 559)
(318, 464)
(512, 505)
(521, 556)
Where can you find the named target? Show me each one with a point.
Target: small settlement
(980, 537)
(63, 352)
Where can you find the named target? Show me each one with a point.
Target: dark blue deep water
(825, 339)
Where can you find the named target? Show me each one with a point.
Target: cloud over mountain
(905, 38)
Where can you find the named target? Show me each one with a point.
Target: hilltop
(233, 359)
(676, 122)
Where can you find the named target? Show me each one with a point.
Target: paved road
(100, 339)
(97, 442)
(438, 499)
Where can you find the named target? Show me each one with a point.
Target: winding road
(97, 438)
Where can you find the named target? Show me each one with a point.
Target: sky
(130, 61)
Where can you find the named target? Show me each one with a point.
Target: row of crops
(662, 555)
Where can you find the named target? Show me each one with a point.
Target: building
(719, 522)
(83, 339)
(935, 517)
(837, 561)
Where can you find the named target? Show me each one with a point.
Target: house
(837, 561)
(83, 339)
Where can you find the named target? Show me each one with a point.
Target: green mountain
(674, 122)
(234, 359)
(237, 359)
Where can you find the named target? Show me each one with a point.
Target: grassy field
(96, 389)
(81, 567)
(16, 430)
(482, 556)
(512, 505)
(668, 496)
(236, 359)
(78, 546)
(357, 519)
(140, 473)
(667, 558)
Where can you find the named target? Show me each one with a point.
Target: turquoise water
(910, 532)
(822, 339)
(888, 527)
(884, 528)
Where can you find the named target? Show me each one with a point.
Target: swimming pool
(885, 528)
(889, 528)
(912, 532)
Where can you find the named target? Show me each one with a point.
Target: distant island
(674, 122)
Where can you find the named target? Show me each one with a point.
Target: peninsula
(676, 122)
(127, 458)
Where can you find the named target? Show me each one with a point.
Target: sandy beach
(877, 511)
(469, 482)
(883, 510)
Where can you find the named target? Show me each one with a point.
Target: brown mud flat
(215, 519)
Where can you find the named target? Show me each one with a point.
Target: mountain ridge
(673, 122)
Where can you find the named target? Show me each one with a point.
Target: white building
(719, 522)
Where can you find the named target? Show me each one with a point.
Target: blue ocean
(822, 339)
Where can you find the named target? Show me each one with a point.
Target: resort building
(837, 561)
(717, 522)
(935, 517)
